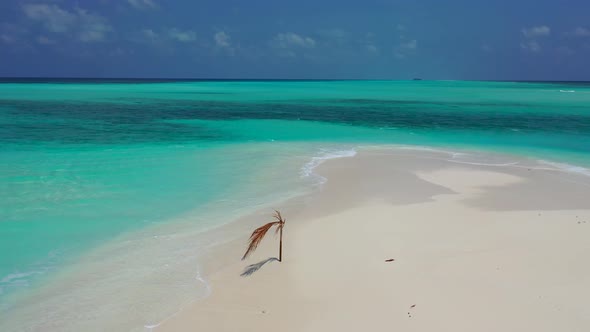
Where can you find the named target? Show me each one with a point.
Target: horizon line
(274, 79)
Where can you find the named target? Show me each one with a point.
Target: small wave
(202, 280)
(19, 278)
(483, 159)
(16, 280)
(565, 167)
(418, 148)
(198, 277)
(514, 163)
(428, 149)
(307, 169)
(567, 91)
(15, 276)
(468, 158)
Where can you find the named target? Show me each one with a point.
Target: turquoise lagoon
(89, 165)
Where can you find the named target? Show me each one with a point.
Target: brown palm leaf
(261, 231)
(279, 220)
(257, 237)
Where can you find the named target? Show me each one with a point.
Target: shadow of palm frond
(250, 269)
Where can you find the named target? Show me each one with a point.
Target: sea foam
(563, 167)
(307, 171)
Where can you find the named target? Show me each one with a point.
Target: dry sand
(475, 248)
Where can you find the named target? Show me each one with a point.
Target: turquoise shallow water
(83, 163)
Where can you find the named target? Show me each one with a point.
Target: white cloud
(411, 45)
(290, 40)
(143, 4)
(334, 36)
(487, 47)
(12, 34)
(537, 31)
(93, 28)
(531, 46)
(186, 36)
(222, 39)
(401, 31)
(85, 26)
(94, 34)
(52, 17)
(118, 52)
(166, 38)
(372, 49)
(581, 32)
(45, 40)
(405, 48)
(223, 43)
(369, 43)
(532, 35)
(150, 34)
(7, 39)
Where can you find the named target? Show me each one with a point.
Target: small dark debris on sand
(390, 260)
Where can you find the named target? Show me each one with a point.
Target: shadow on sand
(250, 269)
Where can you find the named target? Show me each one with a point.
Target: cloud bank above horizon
(398, 39)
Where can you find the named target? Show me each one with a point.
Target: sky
(331, 39)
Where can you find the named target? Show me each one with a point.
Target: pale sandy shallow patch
(475, 248)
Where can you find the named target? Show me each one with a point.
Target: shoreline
(230, 290)
(222, 255)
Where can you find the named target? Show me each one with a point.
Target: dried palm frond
(261, 231)
(280, 221)
(257, 237)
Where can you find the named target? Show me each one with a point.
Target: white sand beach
(474, 248)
